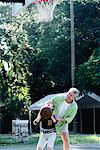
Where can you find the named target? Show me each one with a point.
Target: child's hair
(46, 113)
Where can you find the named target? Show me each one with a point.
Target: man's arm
(72, 114)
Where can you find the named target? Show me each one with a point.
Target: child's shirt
(47, 125)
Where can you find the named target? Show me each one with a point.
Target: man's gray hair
(76, 91)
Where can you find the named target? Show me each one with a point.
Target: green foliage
(13, 80)
(86, 30)
(51, 40)
(88, 73)
(1, 105)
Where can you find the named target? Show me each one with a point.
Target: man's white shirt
(63, 108)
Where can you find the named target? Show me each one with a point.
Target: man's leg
(65, 138)
(39, 148)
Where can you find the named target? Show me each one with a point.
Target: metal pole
(94, 121)
(30, 127)
(81, 127)
(72, 43)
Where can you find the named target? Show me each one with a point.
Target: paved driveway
(57, 147)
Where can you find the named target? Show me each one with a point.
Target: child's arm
(37, 120)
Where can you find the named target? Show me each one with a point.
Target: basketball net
(45, 9)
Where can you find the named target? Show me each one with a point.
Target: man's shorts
(65, 129)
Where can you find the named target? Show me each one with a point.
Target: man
(65, 109)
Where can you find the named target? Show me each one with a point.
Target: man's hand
(61, 120)
(54, 119)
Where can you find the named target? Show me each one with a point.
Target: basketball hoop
(45, 9)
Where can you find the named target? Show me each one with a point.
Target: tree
(13, 80)
(1, 105)
(88, 73)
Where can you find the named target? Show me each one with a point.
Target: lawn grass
(6, 139)
(84, 139)
(33, 139)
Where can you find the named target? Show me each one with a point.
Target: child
(47, 127)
